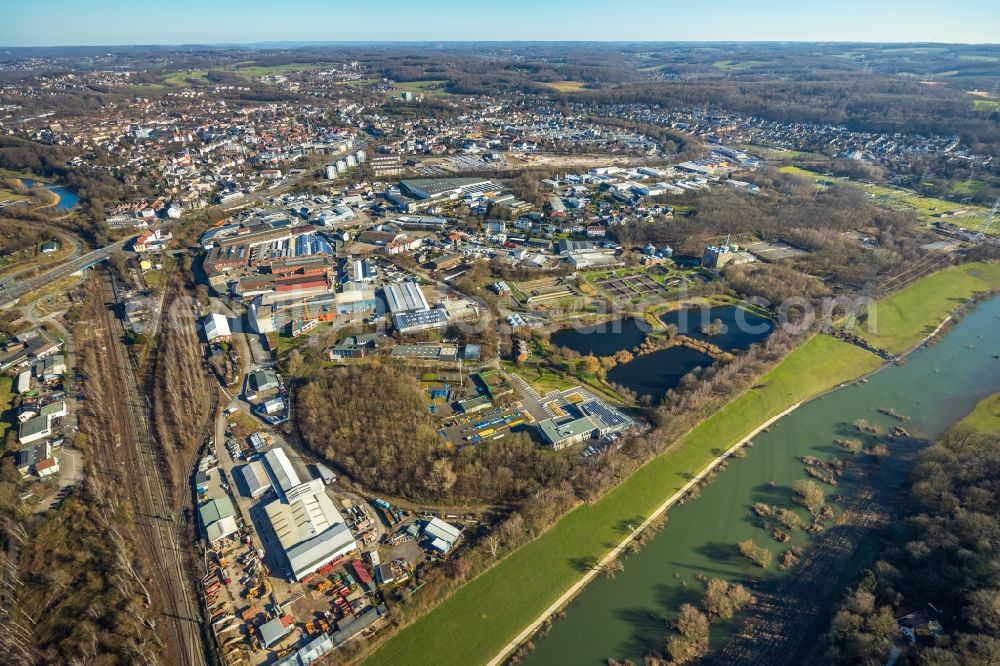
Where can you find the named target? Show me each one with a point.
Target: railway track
(140, 473)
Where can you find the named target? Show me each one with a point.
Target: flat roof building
(216, 327)
(310, 652)
(218, 518)
(442, 536)
(273, 631)
(264, 380)
(24, 381)
(434, 188)
(274, 405)
(34, 429)
(423, 320)
(567, 433)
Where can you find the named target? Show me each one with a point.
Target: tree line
(938, 561)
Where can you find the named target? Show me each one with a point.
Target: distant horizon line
(302, 43)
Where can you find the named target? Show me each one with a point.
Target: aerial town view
(461, 334)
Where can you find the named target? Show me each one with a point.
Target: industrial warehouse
(409, 309)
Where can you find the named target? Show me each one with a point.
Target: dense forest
(395, 447)
(939, 563)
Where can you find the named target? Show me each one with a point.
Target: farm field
(483, 616)
(250, 70)
(737, 64)
(433, 88)
(566, 86)
(905, 318)
(186, 78)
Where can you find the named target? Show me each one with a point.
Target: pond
(653, 374)
(67, 197)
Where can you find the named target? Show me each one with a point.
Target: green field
(6, 195)
(986, 416)
(477, 621)
(6, 407)
(737, 64)
(246, 69)
(985, 105)
(926, 209)
(968, 187)
(776, 155)
(905, 318)
(7, 173)
(186, 78)
(434, 88)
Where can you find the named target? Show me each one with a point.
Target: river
(653, 374)
(624, 617)
(67, 198)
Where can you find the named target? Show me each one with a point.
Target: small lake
(653, 374)
(656, 373)
(740, 328)
(67, 198)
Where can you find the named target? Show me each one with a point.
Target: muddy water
(624, 617)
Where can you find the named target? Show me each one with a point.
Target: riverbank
(901, 321)
(482, 620)
(986, 416)
(617, 551)
(623, 618)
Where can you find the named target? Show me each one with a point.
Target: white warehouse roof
(282, 472)
(216, 326)
(306, 512)
(443, 535)
(405, 297)
(310, 555)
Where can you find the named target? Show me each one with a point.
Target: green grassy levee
(986, 416)
(476, 622)
(908, 316)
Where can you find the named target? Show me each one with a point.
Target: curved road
(10, 294)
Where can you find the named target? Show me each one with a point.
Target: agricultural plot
(184, 79)
(566, 86)
(632, 286)
(433, 88)
(545, 289)
(250, 70)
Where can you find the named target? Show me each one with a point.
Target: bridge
(10, 293)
